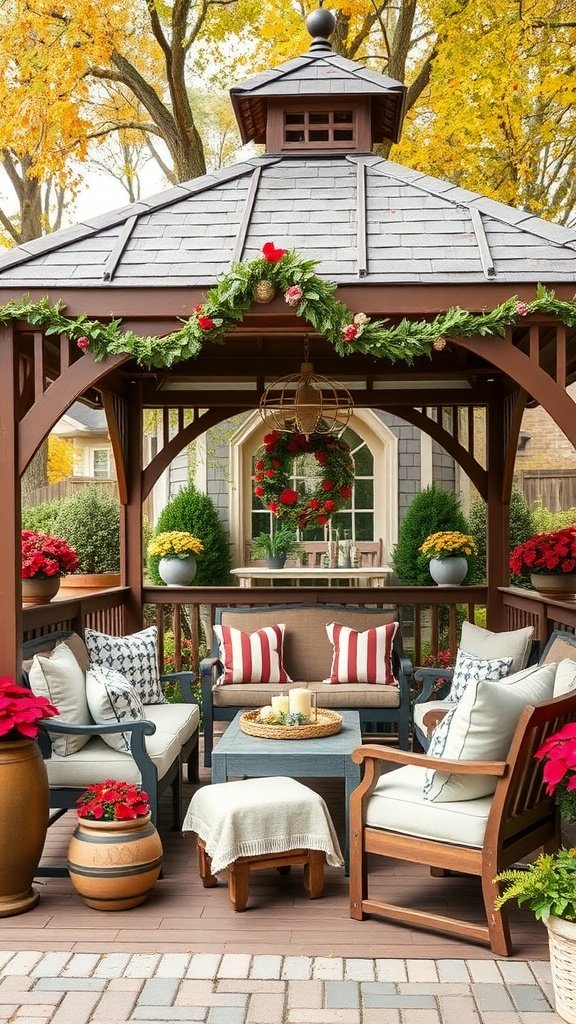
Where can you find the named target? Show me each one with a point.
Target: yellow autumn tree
(60, 459)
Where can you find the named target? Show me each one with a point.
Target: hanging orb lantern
(307, 403)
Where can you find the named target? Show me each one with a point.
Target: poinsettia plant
(546, 553)
(44, 557)
(558, 753)
(113, 801)
(21, 710)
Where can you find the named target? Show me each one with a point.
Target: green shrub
(544, 521)
(431, 511)
(195, 512)
(41, 518)
(90, 521)
(521, 527)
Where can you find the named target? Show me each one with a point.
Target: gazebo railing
(104, 611)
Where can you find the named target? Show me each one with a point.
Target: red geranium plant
(559, 755)
(113, 801)
(21, 710)
(44, 557)
(546, 553)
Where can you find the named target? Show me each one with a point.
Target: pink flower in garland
(83, 343)
(522, 308)
(293, 295)
(350, 332)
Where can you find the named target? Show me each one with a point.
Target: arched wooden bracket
(459, 453)
(162, 460)
(116, 410)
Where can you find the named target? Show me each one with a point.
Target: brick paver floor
(78, 988)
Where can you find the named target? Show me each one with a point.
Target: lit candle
(300, 702)
(281, 704)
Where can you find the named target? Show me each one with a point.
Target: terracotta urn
(24, 812)
(113, 865)
(35, 591)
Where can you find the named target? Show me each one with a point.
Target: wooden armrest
(371, 752)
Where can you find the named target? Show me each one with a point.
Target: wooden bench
(308, 659)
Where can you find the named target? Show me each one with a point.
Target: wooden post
(498, 513)
(131, 520)
(10, 511)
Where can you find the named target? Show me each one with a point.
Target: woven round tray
(327, 724)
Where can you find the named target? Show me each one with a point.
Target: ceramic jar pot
(448, 572)
(24, 811)
(113, 865)
(177, 572)
(560, 585)
(40, 591)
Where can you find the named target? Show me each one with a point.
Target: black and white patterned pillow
(470, 669)
(134, 656)
(111, 698)
(436, 748)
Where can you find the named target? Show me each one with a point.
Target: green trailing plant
(195, 513)
(521, 528)
(312, 298)
(431, 511)
(281, 543)
(547, 887)
(90, 521)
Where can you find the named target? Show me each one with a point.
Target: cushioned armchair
(390, 816)
(154, 748)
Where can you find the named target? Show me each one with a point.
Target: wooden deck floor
(181, 915)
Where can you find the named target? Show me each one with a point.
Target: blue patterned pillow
(111, 698)
(134, 656)
(470, 669)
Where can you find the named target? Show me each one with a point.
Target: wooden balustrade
(431, 616)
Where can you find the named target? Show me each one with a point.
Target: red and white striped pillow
(362, 657)
(252, 657)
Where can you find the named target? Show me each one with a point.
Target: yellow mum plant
(175, 544)
(448, 544)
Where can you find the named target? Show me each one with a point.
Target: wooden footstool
(239, 871)
(259, 824)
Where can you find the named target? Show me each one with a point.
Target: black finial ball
(321, 23)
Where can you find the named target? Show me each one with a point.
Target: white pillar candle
(300, 702)
(281, 704)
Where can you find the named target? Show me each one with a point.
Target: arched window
(371, 513)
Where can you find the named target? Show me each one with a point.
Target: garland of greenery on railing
(309, 295)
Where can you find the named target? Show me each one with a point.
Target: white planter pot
(448, 572)
(177, 572)
(562, 940)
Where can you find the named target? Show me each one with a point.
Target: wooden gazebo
(398, 244)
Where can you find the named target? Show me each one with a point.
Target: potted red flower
(558, 753)
(45, 560)
(24, 807)
(115, 854)
(550, 558)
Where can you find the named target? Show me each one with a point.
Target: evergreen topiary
(196, 513)
(431, 511)
(521, 528)
(90, 522)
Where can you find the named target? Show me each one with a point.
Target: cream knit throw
(256, 816)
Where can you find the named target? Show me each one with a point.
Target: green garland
(312, 298)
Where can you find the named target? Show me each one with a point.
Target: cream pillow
(482, 643)
(58, 677)
(111, 699)
(565, 677)
(481, 728)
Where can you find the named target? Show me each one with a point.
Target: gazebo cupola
(319, 102)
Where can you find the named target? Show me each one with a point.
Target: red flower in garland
(273, 506)
(327, 485)
(321, 520)
(288, 497)
(83, 343)
(205, 323)
(260, 464)
(346, 492)
(259, 491)
(321, 458)
(329, 506)
(271, 253)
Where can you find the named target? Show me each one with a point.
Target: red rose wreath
(306, 507)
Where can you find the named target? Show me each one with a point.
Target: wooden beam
(10, 512)
(131, 522)
(497, 514)
(118, 440)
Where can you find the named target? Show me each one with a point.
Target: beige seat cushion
(97, 762)
(398, 805)
(180, 720)
(307, 649)
(342, 695)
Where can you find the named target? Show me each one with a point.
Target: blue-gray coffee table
(237, 754)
